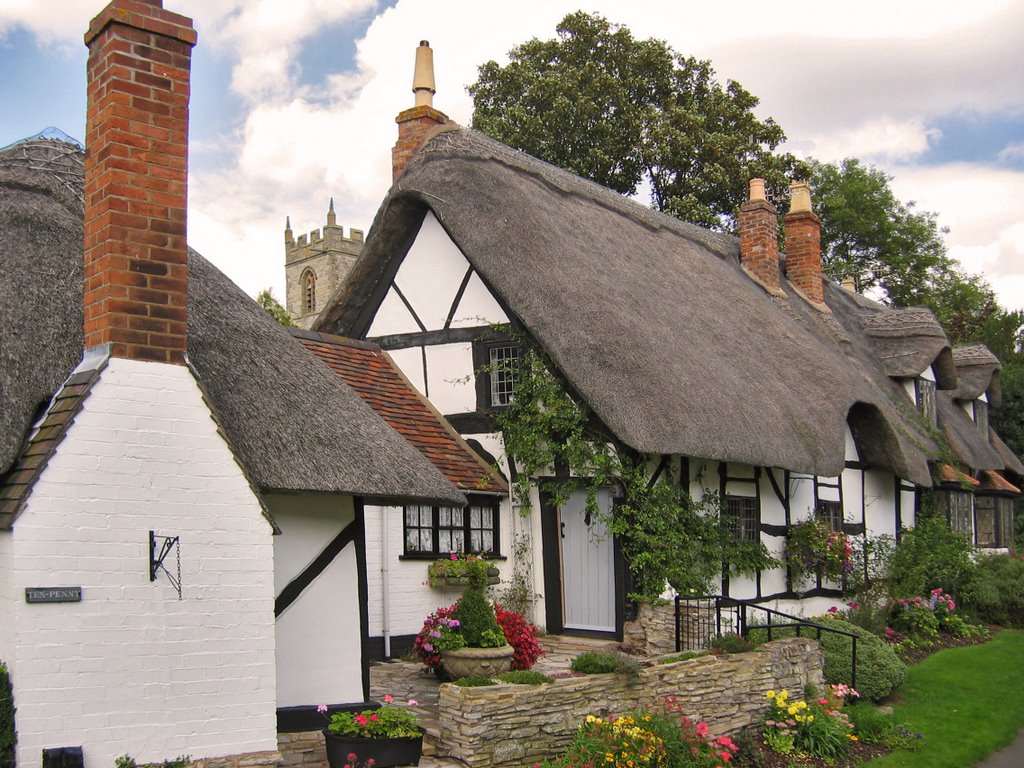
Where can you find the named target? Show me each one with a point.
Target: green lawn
(968, 702)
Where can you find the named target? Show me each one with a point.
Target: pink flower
(413, 702)
(388, 698)
(321, 708)
(351, 757)
(374, 717)
(833, 609)
(361, 719)
(823, 702)
(937, 591)
(702, 730)
(453, 556)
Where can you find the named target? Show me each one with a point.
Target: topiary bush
(477, 623)
(997, 595)
(879, 669)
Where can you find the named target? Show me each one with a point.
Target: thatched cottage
(730, 366)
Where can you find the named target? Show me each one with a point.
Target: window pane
(502, 373)
(446, 517)
(741, 518)
(926, 399)
(426, 540)
(474, 517)
(831, 513)
(412, 540)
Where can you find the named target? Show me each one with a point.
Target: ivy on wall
(666, 535)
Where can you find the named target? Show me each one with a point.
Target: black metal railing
(699, 619)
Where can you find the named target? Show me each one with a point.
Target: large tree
(624, 112)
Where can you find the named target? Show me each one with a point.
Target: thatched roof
(651, 320)
(293, 424)
(963, 435)
(908, 341)
(977, 372)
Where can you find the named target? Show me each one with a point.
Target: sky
(293, 101)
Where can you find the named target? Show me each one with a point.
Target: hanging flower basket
(814, 548)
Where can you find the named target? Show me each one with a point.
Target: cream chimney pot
(423, 78)
(757, 189)
(800, 196)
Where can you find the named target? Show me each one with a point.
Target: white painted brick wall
(131, 669)
(8, 599)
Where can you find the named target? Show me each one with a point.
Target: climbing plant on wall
(665, 534)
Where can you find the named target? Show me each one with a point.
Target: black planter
(405, 750)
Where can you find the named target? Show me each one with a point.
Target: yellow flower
(770, 694)
(852, 737)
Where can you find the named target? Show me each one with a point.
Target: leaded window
(985, 531)
(741, 518)
(981, 417)
(831, 513)
(959, 508)
(501, 367)
(437, 531)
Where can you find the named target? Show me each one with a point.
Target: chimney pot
(423, 75)
(757, 190)
(416, 124)
(800, 196)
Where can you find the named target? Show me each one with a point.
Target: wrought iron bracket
(159, 548)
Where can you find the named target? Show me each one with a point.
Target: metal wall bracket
(156, 558)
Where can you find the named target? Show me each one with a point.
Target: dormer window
(925, 391)
(981, 417)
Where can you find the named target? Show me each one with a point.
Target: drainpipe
(385, 582)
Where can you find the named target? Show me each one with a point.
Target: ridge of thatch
(293, 424)
(965, 439)
(651, 320)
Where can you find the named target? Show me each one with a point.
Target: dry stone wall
(515, 725)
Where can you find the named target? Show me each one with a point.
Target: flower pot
(477, 662)
(405, 750)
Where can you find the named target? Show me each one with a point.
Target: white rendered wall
(319, 649)
(130, 668)
(450, 377)
(879, 503)
(410, 598)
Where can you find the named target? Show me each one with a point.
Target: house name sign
(53, 594)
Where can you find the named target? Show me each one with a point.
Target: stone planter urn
(477, 662)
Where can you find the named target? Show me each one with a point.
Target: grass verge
(966, 702)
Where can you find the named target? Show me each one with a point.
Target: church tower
(316, 265)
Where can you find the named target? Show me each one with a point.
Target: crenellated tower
(315, 266)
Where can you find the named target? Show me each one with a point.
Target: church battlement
(327, 237)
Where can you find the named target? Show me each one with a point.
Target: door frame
(552, 565)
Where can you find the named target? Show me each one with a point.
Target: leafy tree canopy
(622, 111)
(266, 300)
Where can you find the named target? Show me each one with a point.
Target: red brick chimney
(416, 124)
(803, 244)
(136, 258)
(759, 238)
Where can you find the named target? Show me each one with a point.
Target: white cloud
(1011, 152)
(880, 139)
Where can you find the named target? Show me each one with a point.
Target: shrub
(931, 556)
(593, 663)
(879, 669)
(524, 677)
(684, 656)
(521, 635)
(475, 614)
(8, 737)
(731, 643)
(998, 592)
(474, 681)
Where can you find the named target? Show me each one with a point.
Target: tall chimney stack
(803, 244)
(136, 257)
(759, 238)
(415, 124)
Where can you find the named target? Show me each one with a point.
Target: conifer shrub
(8, 737)
(477, 622)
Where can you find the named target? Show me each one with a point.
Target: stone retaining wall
(516, 725)
(248, 760)
(304, 749)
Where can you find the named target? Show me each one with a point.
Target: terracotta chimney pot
(759, 243)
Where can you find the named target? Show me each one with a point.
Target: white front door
(588, 565)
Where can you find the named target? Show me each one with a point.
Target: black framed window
(495, 362)
(437, 531)
(741, 518)
(831, 513)
(926, 399)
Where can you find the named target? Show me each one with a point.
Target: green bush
(875, 727)
(524, 677)
(593, 663)
(8, 737)
(684, 656)
(477, 622)
(998, 591)
(474, 681)
(879, 669)
(931, 556)
(731, 643)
